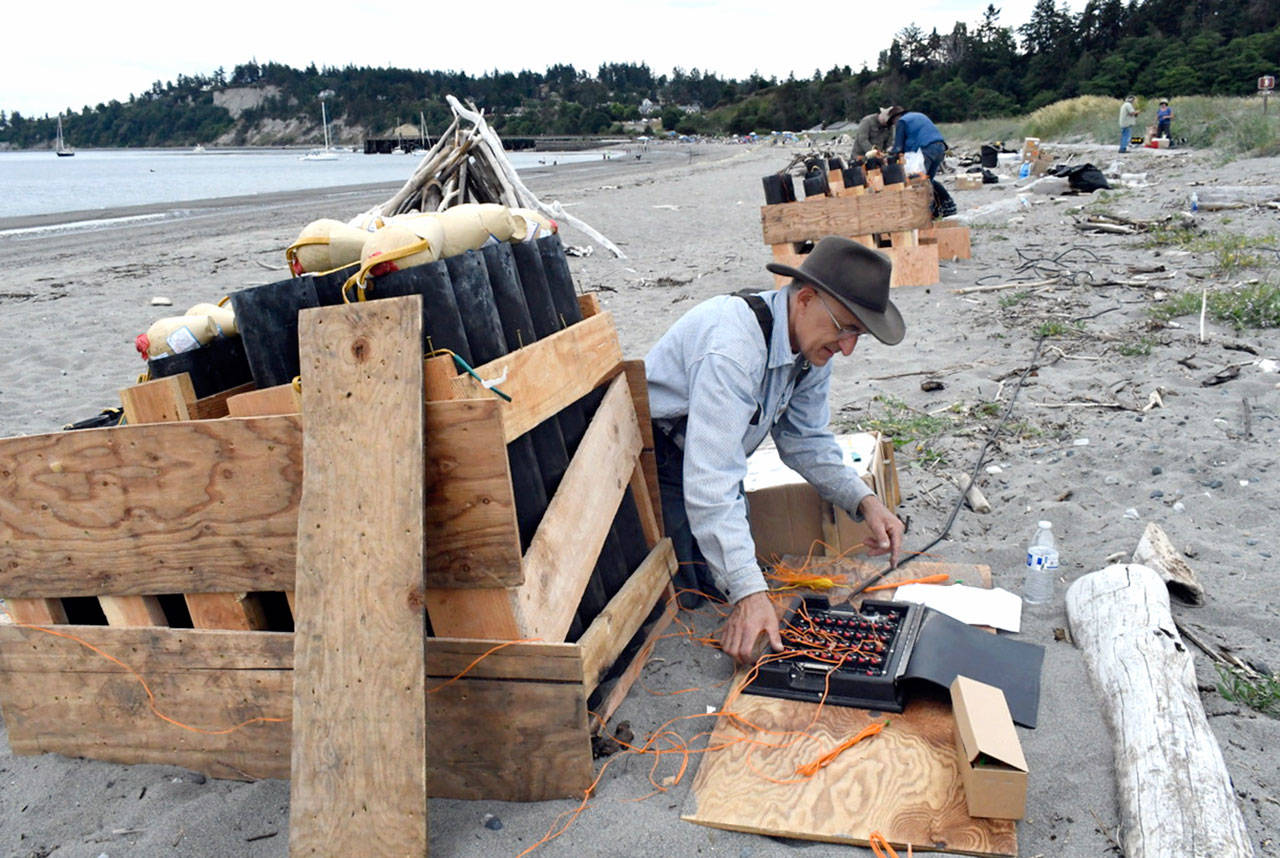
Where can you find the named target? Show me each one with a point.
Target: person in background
(1164, 118)
(1128, 113)
(873, 136)
(739, 367)
(913, 130)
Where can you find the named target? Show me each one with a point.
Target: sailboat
(325, 154)
(62, 150)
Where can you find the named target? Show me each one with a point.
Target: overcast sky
(69, 53)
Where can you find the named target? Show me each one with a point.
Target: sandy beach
(1082, 450)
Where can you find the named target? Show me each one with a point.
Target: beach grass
(1251, 305)
(1257, 691)
(1233, 126)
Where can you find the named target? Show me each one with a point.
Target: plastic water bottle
(1195, 201)
(1025, 170)
(1042, 566)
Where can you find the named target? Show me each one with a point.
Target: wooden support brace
(564, 549)
(906, 208)
(281, 399)
(359, 773)
(542, 378)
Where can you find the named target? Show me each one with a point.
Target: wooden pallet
(893, 218)
(212, 506)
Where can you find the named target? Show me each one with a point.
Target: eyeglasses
(841, 330)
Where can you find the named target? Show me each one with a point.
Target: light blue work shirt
(712, 365)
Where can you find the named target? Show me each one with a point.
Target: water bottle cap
(1047, 524)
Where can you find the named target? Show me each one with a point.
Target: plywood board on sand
(903, 782)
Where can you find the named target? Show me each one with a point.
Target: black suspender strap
(765, 317)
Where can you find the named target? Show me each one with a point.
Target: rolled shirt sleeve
(806, 445)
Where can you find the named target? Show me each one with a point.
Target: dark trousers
(693, 578)
(933, 154)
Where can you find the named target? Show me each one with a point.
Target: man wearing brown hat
(737, 368)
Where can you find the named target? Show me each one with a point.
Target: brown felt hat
(856, 276)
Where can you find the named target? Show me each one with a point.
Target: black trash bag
(990, 155)
(1083, 178)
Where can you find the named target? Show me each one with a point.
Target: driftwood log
(467, 164)
(1175, 793)
(1156, 551)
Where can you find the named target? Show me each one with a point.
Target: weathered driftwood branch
(468, 165)
(528, 199)
(973, 496)
(1175, 792)
(1156, 551)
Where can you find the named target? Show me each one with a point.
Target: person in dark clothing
(873, 135)
(913, 130)
(1164, 119)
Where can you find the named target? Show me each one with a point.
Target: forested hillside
(1150, 47)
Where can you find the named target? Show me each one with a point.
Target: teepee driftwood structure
(467, 165)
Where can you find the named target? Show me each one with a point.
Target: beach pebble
(1179, 506)
(160, 301)
(1081, 442)
(492, 822)
(994, 469)
(1111, 480)
(1157, 493)
(1157, 471)
(1131, 513)
(1213, 484)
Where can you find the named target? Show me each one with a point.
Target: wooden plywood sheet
(904, 782)
(191, 507)
(854, 215)
(545, 377)
(61, 697)
(513, 727)
(359, 774)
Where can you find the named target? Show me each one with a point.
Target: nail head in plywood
(359, 715)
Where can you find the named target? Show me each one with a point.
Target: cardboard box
(969, 182)
(1030, 148)
(787, 515)
(988, 751)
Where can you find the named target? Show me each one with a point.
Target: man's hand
(886, 529)
(751, 617)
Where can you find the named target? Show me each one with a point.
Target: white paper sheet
(977, 606)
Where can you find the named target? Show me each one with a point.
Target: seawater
(37, 183)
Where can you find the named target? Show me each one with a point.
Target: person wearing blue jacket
(913, 130)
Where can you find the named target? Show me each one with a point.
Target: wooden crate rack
(893, 218)
(170, 504)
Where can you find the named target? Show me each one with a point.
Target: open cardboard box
(992, 767)
(787, 515)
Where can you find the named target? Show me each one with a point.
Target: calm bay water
(36, 183)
